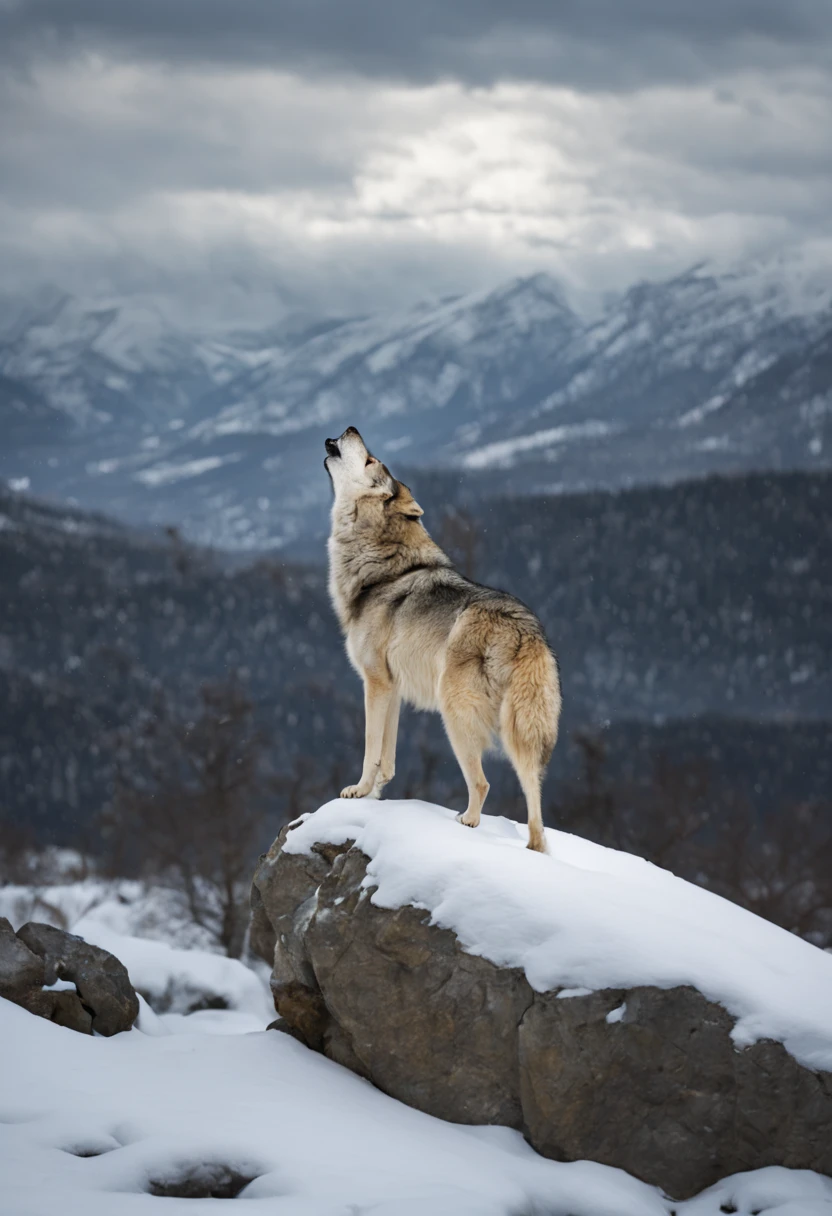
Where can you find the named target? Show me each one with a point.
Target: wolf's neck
(356, 566)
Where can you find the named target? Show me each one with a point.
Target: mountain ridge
(220, 433)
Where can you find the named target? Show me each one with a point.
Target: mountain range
(115, 403)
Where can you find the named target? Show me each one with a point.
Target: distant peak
(531, 292)
(541, 283)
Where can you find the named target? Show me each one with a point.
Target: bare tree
(779, 866)
(189, 807)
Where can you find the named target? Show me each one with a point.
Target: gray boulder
(662, 1091)
(657, 1089)
(37, 955)
(20, 969)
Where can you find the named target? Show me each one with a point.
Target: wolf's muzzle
(331, 446)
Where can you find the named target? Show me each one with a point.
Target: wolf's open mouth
(331, 446)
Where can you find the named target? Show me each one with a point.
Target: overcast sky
(351, 154)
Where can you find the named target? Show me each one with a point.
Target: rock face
(37, 955)
(645, 1079)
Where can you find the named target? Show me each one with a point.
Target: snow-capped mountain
(221, 432)
(121, 361)
(658, 386)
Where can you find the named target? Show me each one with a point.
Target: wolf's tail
(529, 716)
(530, 710)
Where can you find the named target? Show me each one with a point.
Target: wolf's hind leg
(531, 777)
(378, 694)
(529, 717)
(528, 765)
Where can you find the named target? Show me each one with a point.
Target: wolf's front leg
(387, 770)
(378, 695)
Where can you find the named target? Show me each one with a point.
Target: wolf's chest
(416, 661)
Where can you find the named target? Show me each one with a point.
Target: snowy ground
(169, 958)
(90, 1126)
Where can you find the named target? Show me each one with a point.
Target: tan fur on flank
(418, 631)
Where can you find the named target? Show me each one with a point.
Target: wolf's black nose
(331, 446)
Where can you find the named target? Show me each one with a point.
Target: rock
(440, 1042)
(23, 975)
(103, 986)
(63, 1007)
(202, 1181)
(663, 1089)
(284, 904)
(261, 938)
(20, 969)
(645, 1079)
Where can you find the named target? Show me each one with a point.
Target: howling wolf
(417, 630)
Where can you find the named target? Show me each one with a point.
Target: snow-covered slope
(92, 1126)
(95, 1126)
(172, 962)
(221, 431)
(585, 917)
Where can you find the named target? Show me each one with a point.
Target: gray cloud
(94, 136)
(590, 43)
(360, 153)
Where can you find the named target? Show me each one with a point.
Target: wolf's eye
(370, 460)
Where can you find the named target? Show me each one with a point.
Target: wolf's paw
(468, 820)
(355, 791)
(537, 844)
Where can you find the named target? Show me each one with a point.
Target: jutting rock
(644, 1078)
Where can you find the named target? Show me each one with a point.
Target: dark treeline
(693, 623)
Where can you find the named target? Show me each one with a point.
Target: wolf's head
(365, 488)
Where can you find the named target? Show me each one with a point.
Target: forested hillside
(693, 624)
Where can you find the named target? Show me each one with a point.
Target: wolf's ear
(404, 503)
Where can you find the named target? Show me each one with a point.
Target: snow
(316, 1138)
(180, 980)
(586, 917)
(124, 906)
(506, 449)
(135, 338)
(166, 473)
(700, 412)
(88, 1122)
(147, 927)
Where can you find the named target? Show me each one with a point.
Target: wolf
(418, 631)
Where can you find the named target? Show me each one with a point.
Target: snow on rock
(96, 1126)
(586, 917)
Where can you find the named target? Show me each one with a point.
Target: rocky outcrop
(645, 1079)
(37, 956)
